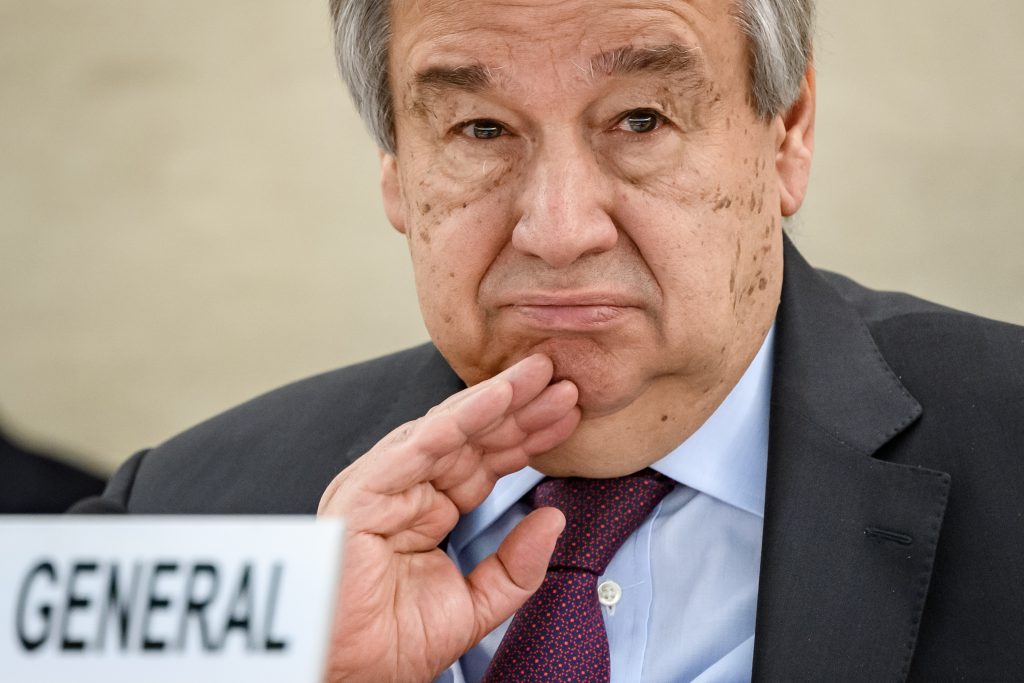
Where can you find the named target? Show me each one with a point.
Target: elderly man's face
(588, 179)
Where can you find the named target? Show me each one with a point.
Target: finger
(448, 429)
(505, 580)
(405, 457)
(549, 407)
(468, 493)
(499, 451)
(528, 378)
(433, 445)
(544, 440)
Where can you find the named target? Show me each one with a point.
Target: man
(593, 194)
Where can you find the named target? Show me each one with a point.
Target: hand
(405, 612)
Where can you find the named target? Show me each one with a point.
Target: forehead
(516, 35)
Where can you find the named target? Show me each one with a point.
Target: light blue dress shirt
(689, 573)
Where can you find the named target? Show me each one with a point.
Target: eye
(640, 121)
(483, 129)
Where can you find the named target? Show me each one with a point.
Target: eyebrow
(468, 78)
(670, 60)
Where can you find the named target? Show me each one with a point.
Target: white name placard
(166, 599)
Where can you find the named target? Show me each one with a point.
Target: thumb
(505, 580)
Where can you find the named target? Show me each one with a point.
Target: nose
(564, 207)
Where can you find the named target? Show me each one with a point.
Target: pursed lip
(568, 311)
(569, 298)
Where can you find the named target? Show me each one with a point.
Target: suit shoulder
(337, 396)
(276, 452)
(930, 344)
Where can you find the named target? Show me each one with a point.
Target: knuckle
(399, 435)
(439, 433)
(444, 408)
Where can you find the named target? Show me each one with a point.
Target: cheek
(752, 279)
(712, 241)
(757, 265)
(457, 228)
(449, 190)
(680, 220)
(477, 167)
(666, 166)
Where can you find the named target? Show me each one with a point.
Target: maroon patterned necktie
(559, 634)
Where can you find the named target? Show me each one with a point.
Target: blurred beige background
(189, 213)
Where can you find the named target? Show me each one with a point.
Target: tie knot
(600, 514)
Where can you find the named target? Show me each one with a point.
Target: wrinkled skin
(583, 185)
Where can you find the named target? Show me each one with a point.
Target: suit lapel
(849, 539)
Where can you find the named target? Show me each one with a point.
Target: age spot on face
(722, 203)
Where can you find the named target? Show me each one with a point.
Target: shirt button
(609, 593)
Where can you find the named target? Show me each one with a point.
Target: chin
(605, 385)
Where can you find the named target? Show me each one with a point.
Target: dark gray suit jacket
(894, 521)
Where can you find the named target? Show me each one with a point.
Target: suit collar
(848, 539)
(828, 367)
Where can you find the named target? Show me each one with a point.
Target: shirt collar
(726, 458)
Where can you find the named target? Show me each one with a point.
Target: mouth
(569, 312)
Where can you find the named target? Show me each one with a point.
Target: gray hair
(779, 31)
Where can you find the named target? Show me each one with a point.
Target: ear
(391, 190)
(796, 146)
